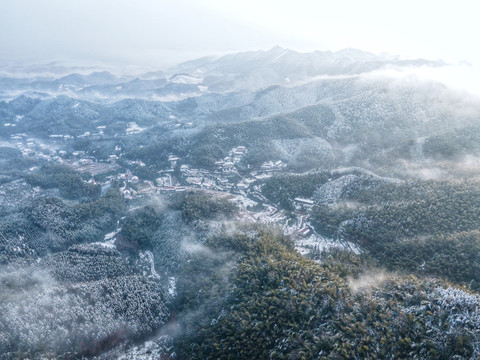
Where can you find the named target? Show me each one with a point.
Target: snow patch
(319, 243)
(133, 128)
(147, 255)
(109, 240)
(172, 286)
(186, 79)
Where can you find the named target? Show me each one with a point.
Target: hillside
(264, 204)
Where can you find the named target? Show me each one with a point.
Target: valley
(239, 207)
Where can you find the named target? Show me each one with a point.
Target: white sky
(162, 32)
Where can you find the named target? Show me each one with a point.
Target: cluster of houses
(224, 178)
(228, 164)
(273, 166)
(99, 132)
(24, 144)
(29, 147)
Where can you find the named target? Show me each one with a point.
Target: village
(225, 181)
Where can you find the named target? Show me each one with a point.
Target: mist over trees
(266, 204)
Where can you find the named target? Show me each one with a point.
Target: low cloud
(368, 281)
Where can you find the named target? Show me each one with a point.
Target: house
(267, 166)
(242, 186)
(173, 160)
(169, 170)
(301, 203)
(304, 232)
(304, 201)
(167, 189)
(228, 167)
(272, 211)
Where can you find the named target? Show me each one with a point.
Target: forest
(129, 230)
(424, 227)
(257, 298)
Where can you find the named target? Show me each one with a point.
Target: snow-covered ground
(186, 79)
(315, 241)
(109, 239)
(243, 201)
(133, 128)
(149, 258)
(172, 286)
(159, 348)
(304, 245)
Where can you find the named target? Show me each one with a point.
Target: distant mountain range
(245, 71)
(327, 98)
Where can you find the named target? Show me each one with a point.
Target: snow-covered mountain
(247, 71)
(170, 214)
